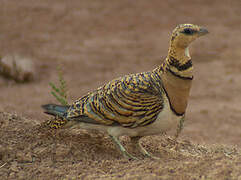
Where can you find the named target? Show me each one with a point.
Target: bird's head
(184, 34)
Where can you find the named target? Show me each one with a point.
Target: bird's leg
(137, 142)
(122, 149)
(180, 127)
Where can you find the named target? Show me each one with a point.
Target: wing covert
(131, 101)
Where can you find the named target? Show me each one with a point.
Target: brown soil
(97, 41)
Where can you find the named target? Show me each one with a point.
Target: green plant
(60, 93)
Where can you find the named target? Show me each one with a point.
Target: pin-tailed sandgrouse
(139, 104)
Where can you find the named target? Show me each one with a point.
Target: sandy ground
(97, 41)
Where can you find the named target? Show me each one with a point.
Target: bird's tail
(55, 110)
(59, 112)
(60, 117)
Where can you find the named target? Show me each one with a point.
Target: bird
(140, 104)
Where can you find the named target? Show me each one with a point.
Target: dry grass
(29, 150)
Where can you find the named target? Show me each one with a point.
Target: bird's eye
(188, 31)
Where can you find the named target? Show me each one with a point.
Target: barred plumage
(138, 104)
(131, 101)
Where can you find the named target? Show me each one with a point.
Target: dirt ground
(97, 41)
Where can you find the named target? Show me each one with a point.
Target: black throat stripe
(180, 67)
(173, 110)
(179, 76)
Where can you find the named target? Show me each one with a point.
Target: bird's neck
(177, 74)
(179, 62)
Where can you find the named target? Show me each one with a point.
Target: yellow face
(184, 34)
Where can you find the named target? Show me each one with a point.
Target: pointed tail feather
(55, 110)
(61, 112)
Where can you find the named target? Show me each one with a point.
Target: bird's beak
(202, 31)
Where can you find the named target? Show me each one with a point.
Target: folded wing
(131, 101)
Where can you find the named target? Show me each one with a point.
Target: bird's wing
(131, 101)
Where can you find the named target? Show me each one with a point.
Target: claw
(142, 149)
(122, 149)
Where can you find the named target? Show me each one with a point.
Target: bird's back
(130, 101)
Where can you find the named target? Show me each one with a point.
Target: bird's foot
(142, 149)
(122, 149)
(145, 153)
(129, 156)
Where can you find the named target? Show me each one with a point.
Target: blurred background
(97, 41)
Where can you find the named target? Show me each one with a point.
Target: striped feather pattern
(137, 99)
(131, 101)
(153, 101)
